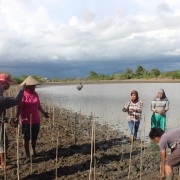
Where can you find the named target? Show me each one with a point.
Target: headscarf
(164, 98)
(137, 97)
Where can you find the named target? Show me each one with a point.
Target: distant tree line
(139, 73)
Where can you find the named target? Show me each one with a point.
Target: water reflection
(107, 100)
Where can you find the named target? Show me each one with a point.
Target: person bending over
(170, 140)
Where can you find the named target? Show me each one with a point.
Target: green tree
(5, 72)
(155, 72)
(146, 74)
(101, 76)
(112, 76)
(23, 77)
(53, 79)
(128, 74)
(119, 76)
(139, 71)
(93, 75)
(16, 80)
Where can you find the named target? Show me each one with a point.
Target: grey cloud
(65, 69)
(102, 45)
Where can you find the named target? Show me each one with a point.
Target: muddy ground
(64, 152)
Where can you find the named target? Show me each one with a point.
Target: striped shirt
(134, 110)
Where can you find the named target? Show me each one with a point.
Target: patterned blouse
(134, 110)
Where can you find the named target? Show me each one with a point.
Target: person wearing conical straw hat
(5, 103)
(28, 111)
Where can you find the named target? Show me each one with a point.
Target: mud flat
(64, 152)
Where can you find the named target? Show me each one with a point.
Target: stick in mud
(89, 125)
(94, 147)
(92, 137)
(130, 158)
(141, 160)
(53, 116)
(5, 151)
(31, 141)
(57, 145)
(17, 137)
(75, 122)
(144, 135)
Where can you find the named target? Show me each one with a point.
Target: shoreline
(113, 82)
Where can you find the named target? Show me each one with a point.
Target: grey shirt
(6, 102)
(170, 139)
(159, 105)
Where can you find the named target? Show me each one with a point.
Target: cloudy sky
(68, 38)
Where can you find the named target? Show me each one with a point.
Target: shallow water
(105, 101)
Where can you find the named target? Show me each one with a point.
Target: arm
(46, 114)
(138, 111)
(163, 157)
(167, 106)
(19, 109)
(10, 102)
(139, 108)
(126, 107)
(153, 106)
(41, 109)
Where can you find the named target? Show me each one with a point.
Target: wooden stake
(94, 135)
(90, 171)
(144, 135)
(57, 145)
(141, 161)
(17, 137)
(4, 151)
(132, 141)
(31, 140)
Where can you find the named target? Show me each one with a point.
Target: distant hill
(118, 72)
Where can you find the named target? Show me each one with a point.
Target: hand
(157, 111)
(14, 122)
(46, 115)
(163, 111)
(24, 86)
(124, 110)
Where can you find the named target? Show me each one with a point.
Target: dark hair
(156, 132)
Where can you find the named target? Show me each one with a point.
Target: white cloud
(35, 31)
(164, 7)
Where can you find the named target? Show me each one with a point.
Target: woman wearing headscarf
(159, 106)
(133, 109)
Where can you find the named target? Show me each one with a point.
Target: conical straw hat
(30, 81)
